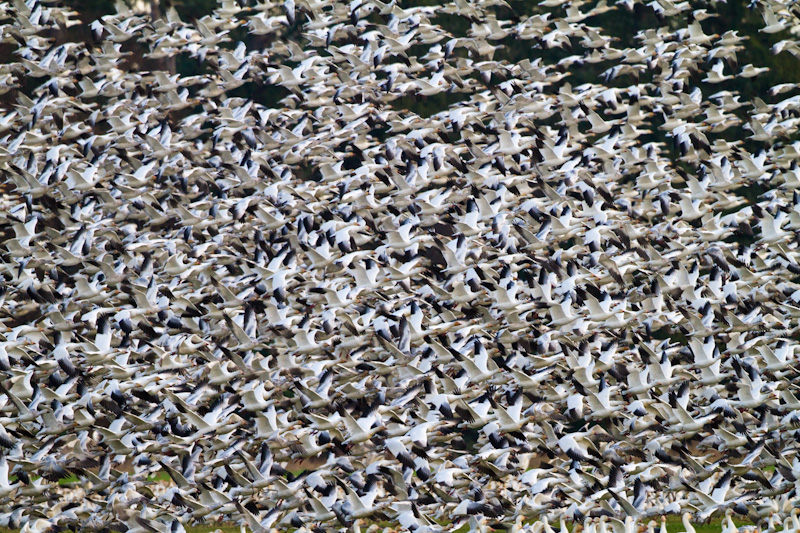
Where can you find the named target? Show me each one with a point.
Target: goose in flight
(355, 268)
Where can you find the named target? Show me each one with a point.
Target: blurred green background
(622, 23)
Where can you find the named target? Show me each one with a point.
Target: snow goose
(362, 429)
